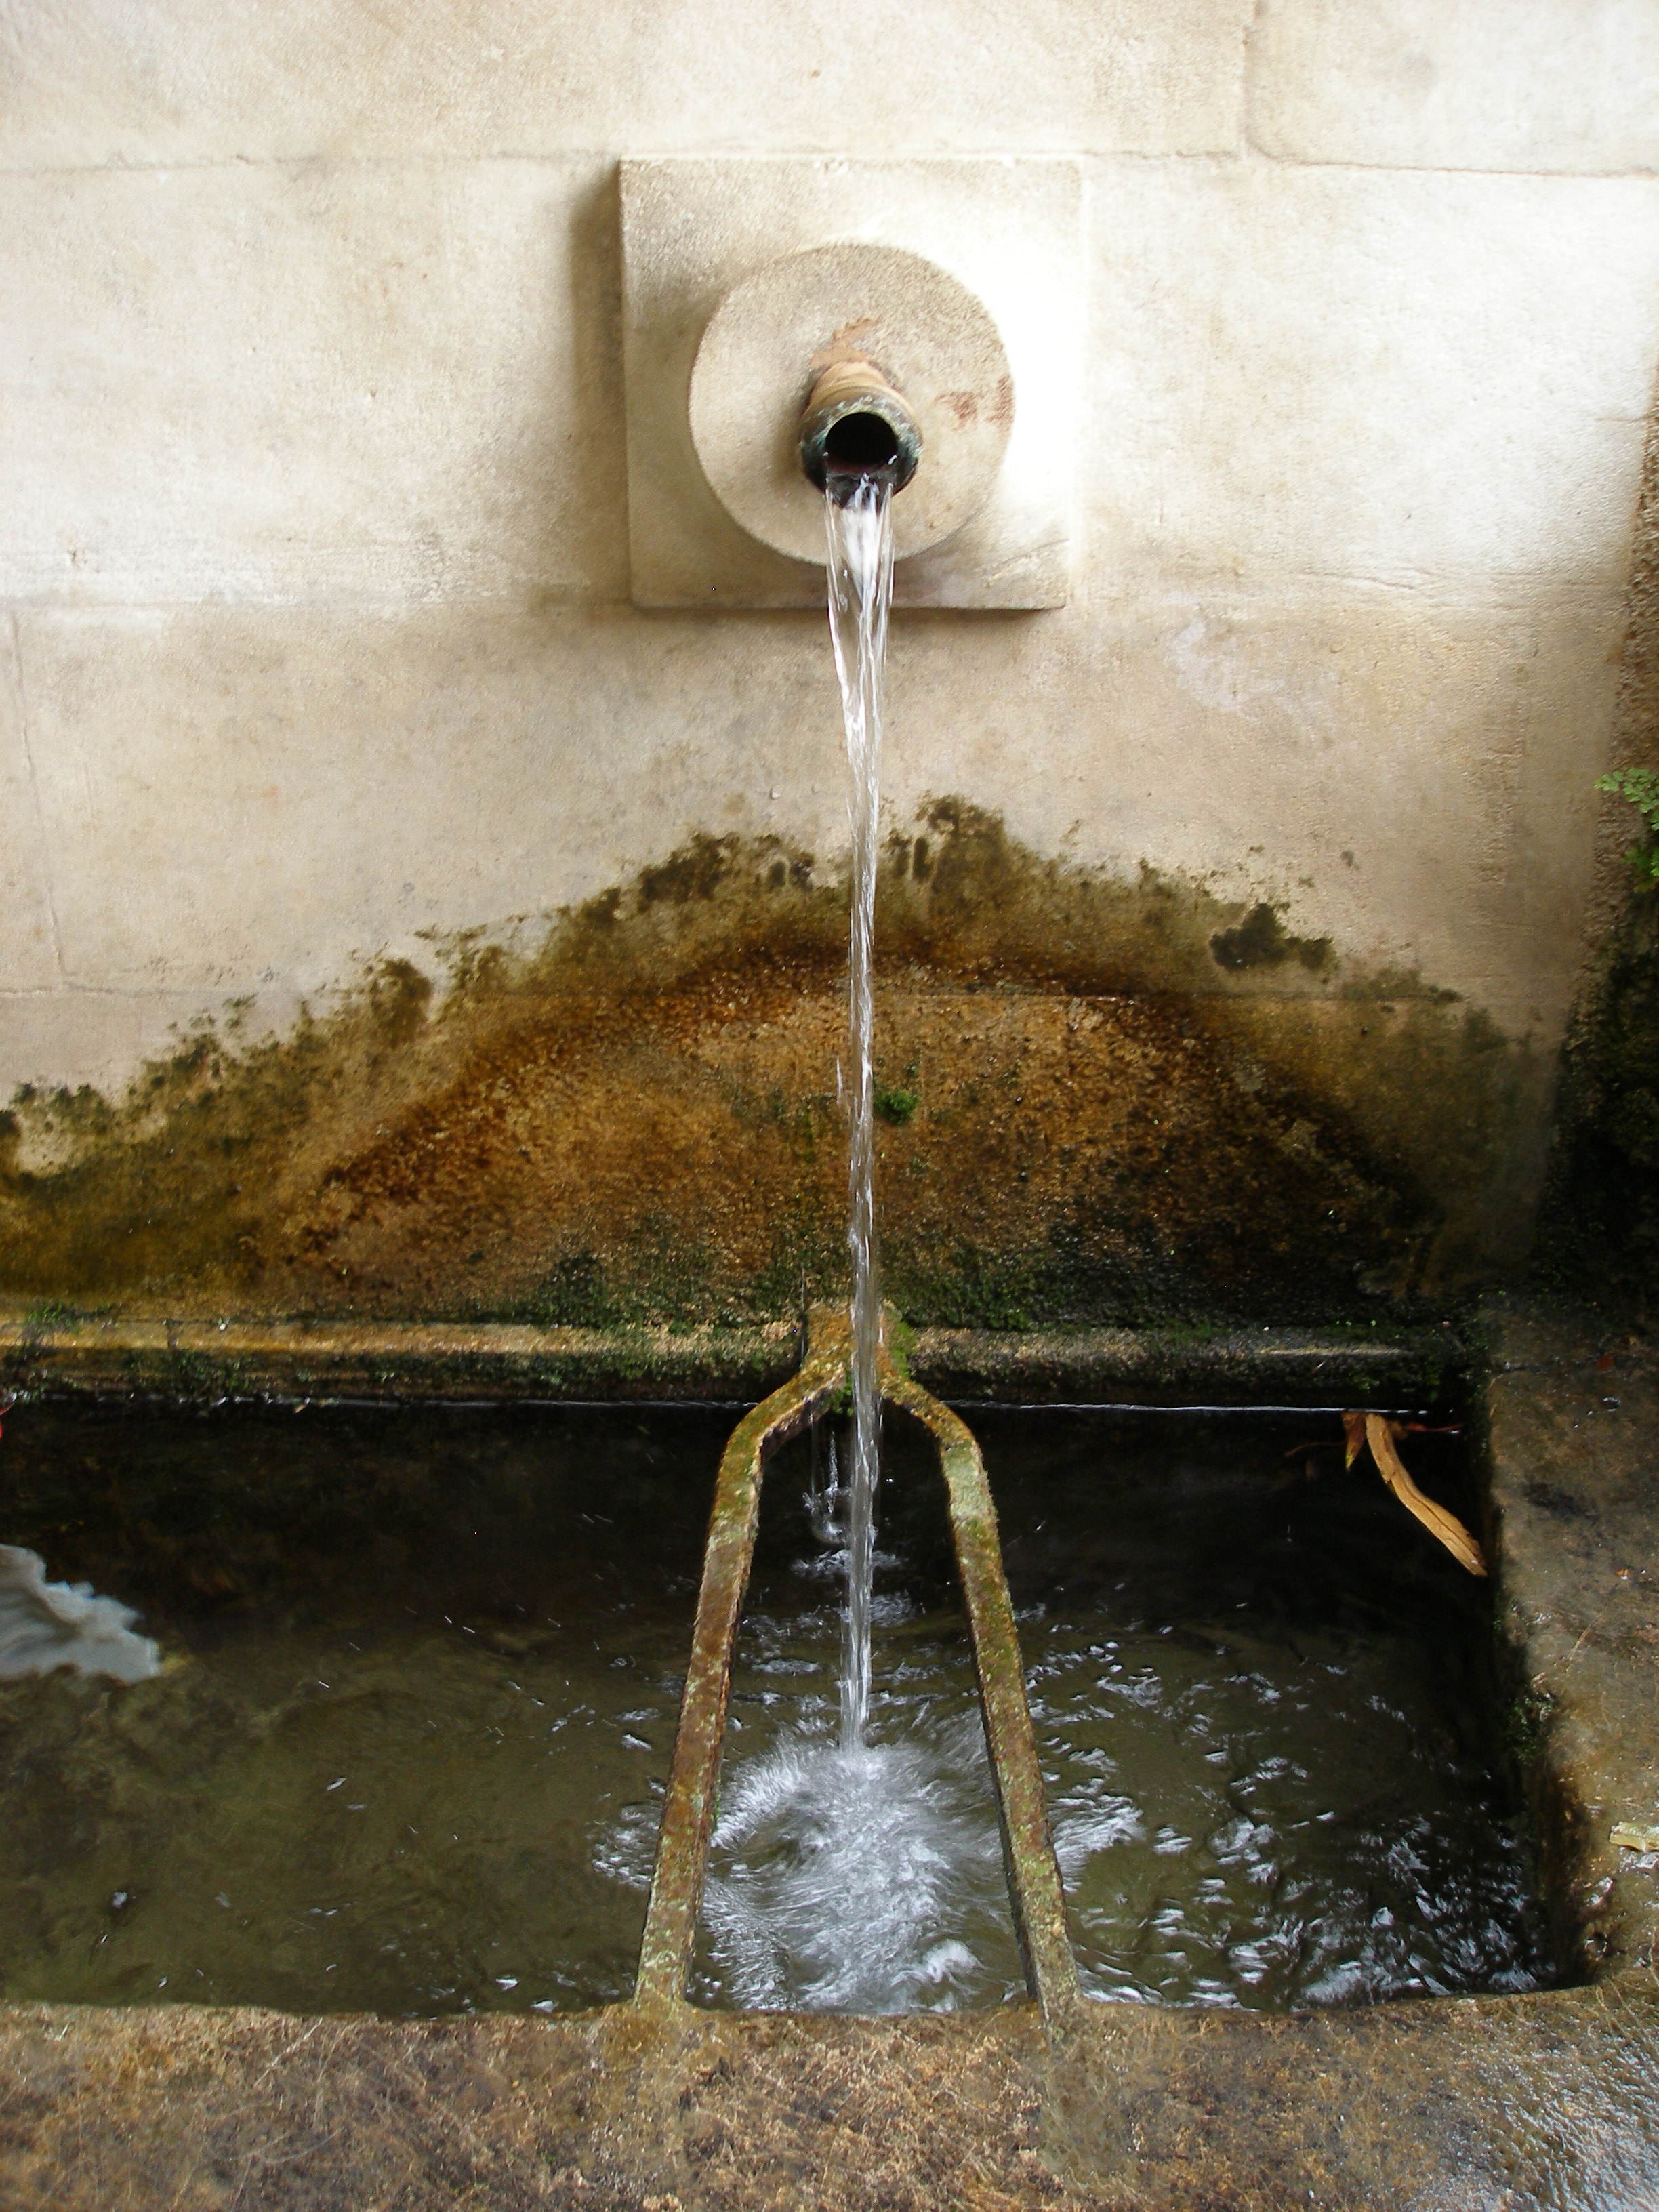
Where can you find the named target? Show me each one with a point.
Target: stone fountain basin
(1553, 2097)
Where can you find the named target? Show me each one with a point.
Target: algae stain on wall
(1599, 1233)
(1123, 1101)
(1600, 1230)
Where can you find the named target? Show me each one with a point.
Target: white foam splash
(844, 1880)
(1082, 1829)
(44, 1626)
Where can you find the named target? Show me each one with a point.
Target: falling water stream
(840, 1860)
(858, 515)
(835, 1862)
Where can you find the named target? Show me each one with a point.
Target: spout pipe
(856, 424)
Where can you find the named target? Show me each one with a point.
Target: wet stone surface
(1542, 2104)
(1574, 1411)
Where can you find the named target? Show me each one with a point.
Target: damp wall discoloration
(318, 679)
(1090, 1112)
(1599, 1227)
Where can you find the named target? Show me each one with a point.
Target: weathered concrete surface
(284, 80)
(279, 383)
(1460, 2106)
(1100, 1102)
(313, 518)
(1392, 771)
(1402, 83)
(1573, 1410)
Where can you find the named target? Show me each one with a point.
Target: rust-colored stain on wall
(1102, 1100)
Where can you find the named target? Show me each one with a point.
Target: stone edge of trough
(1563, 1419)
(1421, 2107)
(194, 1359)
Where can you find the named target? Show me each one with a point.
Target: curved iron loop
(676, 1886)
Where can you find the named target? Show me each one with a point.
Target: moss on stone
(1102, 1119)
(1599, 1229)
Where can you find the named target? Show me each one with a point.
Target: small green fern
(896, 1105)
(1640, 785)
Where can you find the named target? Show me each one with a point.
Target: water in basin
(421, 1671)
(1264, 1703)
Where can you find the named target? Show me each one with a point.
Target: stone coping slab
(1572, 1418)
(194, 1358)
(1550, 2101)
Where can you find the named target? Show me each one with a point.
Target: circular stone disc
(772, 337)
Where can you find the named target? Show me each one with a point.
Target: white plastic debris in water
(47, 1624)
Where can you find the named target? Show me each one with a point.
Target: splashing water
(846, 1876)
(858, 514)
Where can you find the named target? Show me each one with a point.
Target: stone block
(185, 81)
(1414, 782)
(310, 383)
(1009, 231)
(1485, 84)
(1427, 382)
(257, 801)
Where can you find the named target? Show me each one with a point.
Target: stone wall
(395, 917)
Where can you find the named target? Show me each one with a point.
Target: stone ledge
(209, 1359)
(203, 1359)
(1352, 1365)
(1418, 2106)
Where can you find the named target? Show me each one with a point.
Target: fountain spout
(857, 424)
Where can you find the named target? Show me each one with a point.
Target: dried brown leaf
(1446, 1526)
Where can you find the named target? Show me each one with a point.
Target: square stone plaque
(1011, 230)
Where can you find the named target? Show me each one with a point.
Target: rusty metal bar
(676, 1886)
(1027, 1847)
(688, 1812)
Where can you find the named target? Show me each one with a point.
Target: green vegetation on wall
(1640, 785)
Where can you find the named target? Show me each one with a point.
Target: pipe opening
(864, 442)
(856, 426)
